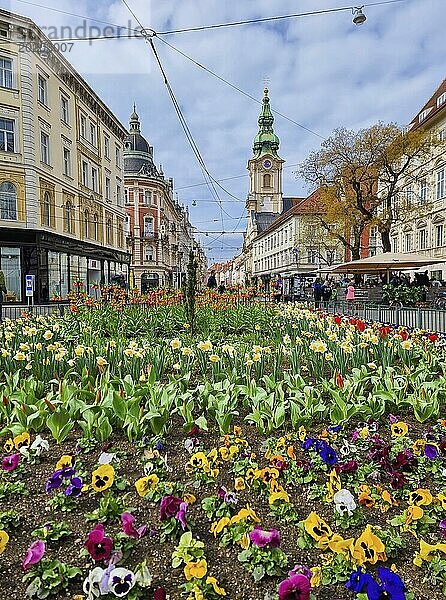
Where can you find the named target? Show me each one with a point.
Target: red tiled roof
(432, 105)
(303, 206)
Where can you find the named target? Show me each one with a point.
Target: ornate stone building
(61, 182)
(158, 230)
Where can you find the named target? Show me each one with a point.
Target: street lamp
(358, 16)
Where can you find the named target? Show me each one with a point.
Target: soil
(222, 562)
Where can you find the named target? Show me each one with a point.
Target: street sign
(29, 283)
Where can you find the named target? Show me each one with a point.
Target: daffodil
(175, 344)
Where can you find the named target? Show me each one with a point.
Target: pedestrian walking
(317, 292)
(278, 289)
(350, 295)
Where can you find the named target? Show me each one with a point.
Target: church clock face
(267, 163)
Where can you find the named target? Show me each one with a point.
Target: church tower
(265, 198)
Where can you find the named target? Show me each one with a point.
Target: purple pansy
(98, 545)
(9, 463)
(34, 554)
(296, 587)
(128, 526)
(263, 538)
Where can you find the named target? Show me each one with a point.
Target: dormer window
(441, 99)
(422, 115)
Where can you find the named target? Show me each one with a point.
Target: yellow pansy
(413, 513)
(65, 461)
(145, 484)
(368, 548)
(420, 497)
(218, 526)
(196, 569)
(8, 445)
(442, 499)
(316, 527)
(399, 429)
(102, 478)
(4, 538)
(278, 495)
(426, 551)
(214, 583)
(199, 460)
(239, 484)
(316, 577)
(189, 498)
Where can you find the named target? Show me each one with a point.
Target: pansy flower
(368, 548)
(33, 555)
(102, 478)
(197, 569)
(420, 497)
(121, 581)
(399, 429)
(92, 583)
(22, 440)
(296, 587)
(145, 484)
(316, 527)
(265, 539)
(128, 526)
(344, 502)
(9, 463)
(65, 461)
(98, 545)
(4, 538)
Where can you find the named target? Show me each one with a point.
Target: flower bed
(257, 459)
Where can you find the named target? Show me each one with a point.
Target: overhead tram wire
(232, 85)
(277, 18)
(182, 120)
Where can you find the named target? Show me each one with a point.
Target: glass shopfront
(11, 267)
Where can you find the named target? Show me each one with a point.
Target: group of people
(212, 283)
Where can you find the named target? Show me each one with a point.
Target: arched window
(86, 224)
(267, 180)
(8, 201)
(46, 209)
(95, 226)
(108, 231)
(69, 217)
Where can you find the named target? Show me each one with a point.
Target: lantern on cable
(358, 16)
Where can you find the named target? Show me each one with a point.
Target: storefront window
(83, 270)
(63, 275)
(10, 265)
(74, 270)
(54, 274)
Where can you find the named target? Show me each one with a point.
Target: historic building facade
(283, 235)
(423, 230)
(158, 230)
(61, 179)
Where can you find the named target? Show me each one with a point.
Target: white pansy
(344, 502)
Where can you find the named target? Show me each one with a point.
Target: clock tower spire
(265, 198)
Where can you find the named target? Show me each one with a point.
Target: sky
(322, 72)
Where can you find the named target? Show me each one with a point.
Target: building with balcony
(61, 180)
(157, 228)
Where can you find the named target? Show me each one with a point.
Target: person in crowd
(350, 295)
(297, 288)
(212, 281)
(317, 292)
(327, 290)
(278, 289)
(221, 288)
(3, 290)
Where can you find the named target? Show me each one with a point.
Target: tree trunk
(385, 240)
